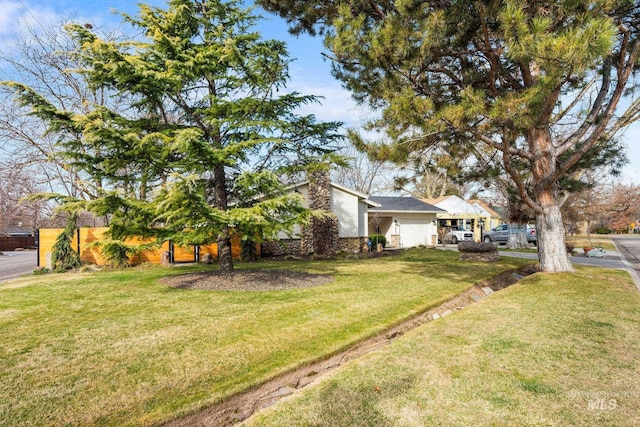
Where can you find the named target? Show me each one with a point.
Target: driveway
(14, 264)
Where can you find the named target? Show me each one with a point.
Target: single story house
(404, 221)
(353, 216)
(345, 230)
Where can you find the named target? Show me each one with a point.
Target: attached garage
(404, 221)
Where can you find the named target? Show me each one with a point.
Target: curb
(632, 272)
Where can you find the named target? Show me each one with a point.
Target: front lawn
(119, 348)
(552, 350)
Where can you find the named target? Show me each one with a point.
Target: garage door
(415, 231)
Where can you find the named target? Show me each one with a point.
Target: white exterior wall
(363, 219)
(345, 207)
(304, 191)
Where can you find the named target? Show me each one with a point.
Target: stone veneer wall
(321, 235)
(282, 247)
(352, 244)
(294, 246)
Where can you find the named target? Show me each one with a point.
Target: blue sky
(310, 73)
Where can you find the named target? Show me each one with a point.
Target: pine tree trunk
(517, 236)
(552, 251)
(224, 238)
(224, 252)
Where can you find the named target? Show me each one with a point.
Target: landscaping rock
(207, 258)
(477, 297)
(487, 290)
(165, 258)
(596, 253)
(480, 256)
(446, 313)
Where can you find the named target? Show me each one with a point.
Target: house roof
(11, 231)
(366, 199)
(455, 205)
(483, 205)
(501, 211)
(402, 204)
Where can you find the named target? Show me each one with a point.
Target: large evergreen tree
(208, 125)
(539, 82)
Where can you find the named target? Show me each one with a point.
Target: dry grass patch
(594, 241)
(553, 350)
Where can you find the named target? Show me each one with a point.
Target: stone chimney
(320, 190)
(320, 237)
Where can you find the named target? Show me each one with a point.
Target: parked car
(458, 234)
(500, 234)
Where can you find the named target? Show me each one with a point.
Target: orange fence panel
(85, 236)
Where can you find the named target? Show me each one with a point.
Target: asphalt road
(13, 264)
(629, 249)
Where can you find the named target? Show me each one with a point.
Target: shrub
(603, 230)
(377, 238)
(477, 247)
(63, 257)
(116, 252)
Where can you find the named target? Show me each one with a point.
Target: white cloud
(10, 14)
(336, 103)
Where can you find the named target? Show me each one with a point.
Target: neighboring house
(345, 230)
(13, 237)
(404, 221)
(491, 218)
(460, 213)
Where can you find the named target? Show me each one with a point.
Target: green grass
(118, 348)
(551, 350)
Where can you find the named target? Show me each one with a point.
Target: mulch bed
(261, 280)
(248, 280)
